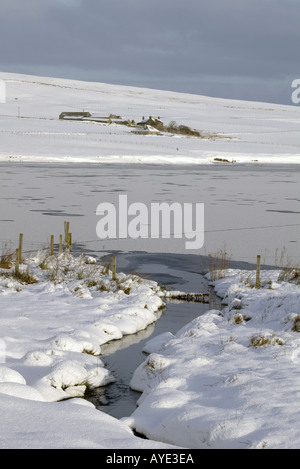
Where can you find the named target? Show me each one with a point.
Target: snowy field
(227, 380)
(30, 128)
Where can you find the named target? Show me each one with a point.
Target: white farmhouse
(2, 91)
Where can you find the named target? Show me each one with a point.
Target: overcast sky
(243, 49)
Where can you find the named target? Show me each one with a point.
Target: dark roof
(64, 115)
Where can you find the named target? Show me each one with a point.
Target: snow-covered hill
(239, 131)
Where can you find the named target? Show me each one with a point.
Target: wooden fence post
(60, 244)
(114, 268)
(67, 225)
(17, 262)
(257, 285)
(20, 247)
(70, 241)
(51, 245)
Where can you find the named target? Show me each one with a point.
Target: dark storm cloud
(231, 48)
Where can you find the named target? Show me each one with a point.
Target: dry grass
(6, 258)
(24, 277)
(287, 266)
(106, 268)
(262, 341)
(296, 325)
(240, 318)
(218, 263)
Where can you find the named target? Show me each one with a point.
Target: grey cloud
(166, 43)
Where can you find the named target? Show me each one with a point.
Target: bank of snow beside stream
(228, 379)
(55, 315)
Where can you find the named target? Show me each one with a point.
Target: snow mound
(20, 390)
(228, 379)
(8, 375)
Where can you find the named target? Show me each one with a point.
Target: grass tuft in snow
(6, 258)
(218, 263)
(263, 340)
(24, 276)
(296, 324)
(240, 318)
(21, 274)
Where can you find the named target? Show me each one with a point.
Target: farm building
(156, 123)
(74, 115)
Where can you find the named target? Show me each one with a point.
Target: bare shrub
(174, 128)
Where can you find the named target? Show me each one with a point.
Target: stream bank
(122, 357)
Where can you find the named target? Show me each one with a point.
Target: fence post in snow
(20, 247)
(114, 268)
(257, 285)
(67, 224)
(17, 262)
(60, 243)
(51, 245)
(70, 241)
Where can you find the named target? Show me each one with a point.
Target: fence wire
(44, 246)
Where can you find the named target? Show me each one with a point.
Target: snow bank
(228, 379)
(57, 340)
(54, 318)
(72, 424)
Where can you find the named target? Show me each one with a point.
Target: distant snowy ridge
(30, 128)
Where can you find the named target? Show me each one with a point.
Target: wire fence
(34, 247)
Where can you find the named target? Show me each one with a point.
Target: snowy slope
(30, 129)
